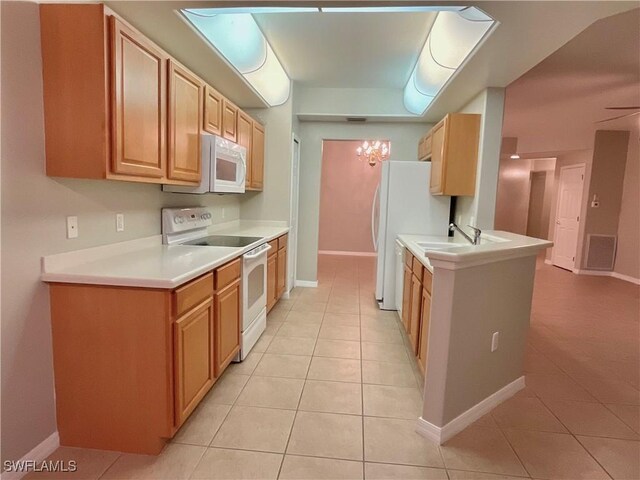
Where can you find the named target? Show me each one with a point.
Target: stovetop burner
(223, 241)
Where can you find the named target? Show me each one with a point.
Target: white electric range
(189, 226)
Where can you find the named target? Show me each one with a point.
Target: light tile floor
(330, 391)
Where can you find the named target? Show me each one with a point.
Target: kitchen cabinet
(281, 284)
(117, 107)
(139, 103)
(228, 314)
(245, 137)
(425, 317)
(229, 120)
(276, 271)
(194, 358)
(149, 356)
(415, 304)
(212, 111)
(257, 157)
(452, 147)
(186, 92)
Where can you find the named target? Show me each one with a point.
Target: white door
(292, 244)
(567, 225)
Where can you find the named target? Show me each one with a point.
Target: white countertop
(148, 263)
(494, 246)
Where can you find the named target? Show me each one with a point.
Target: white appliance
(224, 167)
(399, 251)
(188, 226)
(405, 206)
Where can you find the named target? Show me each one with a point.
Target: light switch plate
(119, 222)
(72, 227)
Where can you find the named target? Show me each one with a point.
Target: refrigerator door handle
(374, 234)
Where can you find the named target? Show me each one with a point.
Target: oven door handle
(265, 249)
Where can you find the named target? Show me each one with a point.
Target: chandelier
(374, 151)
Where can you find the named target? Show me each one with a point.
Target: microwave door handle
(244, 171)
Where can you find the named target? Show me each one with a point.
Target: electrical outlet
(72, 227)
(119, 222)
(494, 341)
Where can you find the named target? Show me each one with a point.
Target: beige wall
(274, 202)
(34, 208)
(347, 191)
(482, 206)
(628, 253)
(404, 140)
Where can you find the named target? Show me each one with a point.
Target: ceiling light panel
(453, 38)
(237, 37)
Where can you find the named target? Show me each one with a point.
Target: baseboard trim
(306, 283)
(600, 273)
(39, 453)
(462, 421)
(347, 254)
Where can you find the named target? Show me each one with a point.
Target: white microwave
(224, 167)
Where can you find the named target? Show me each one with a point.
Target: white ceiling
(555, 105)
(355, 51)
(347, 50)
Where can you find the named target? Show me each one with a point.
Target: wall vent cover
(601, 252)
(357, 119)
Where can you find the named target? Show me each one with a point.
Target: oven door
(228, 167)
(254, 284)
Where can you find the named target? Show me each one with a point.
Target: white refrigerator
(403, 205)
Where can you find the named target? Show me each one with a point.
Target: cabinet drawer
(274, 247)
(228, 273)
(427, 280)
(417, 268)
(193, 293)
(282, 241)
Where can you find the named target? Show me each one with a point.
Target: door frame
(294, 197)
(582, 166)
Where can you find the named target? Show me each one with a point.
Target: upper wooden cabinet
(229, 120)
(212, 111)
(185, 118)
(257, 157)
(244, 134)
(452, 148)
(139, 103)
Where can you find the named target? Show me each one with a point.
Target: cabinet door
(272, 280)
(185, 118)
(414, 320)
(244, 134)
(281, 282)
(193, 358)
(257, 164)
(436, 183)
(139, 104)
(212, 111)
(228, 318)
(406, 297)
(229, 120)
(424, 330)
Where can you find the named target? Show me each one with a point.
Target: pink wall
(347, 188)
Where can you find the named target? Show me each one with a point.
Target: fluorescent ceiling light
(453, 37)
(213, 11)
(237, 37)
(390, 9)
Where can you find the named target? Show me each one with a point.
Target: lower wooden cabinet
(425, 317)
(276, 271)
(406, 296)
(414, 312)
(228, 318)
(194, 371)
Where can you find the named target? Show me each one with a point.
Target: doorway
(567, 226)
(538, 215)
(347, 199)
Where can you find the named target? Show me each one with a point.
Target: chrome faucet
(476, 233)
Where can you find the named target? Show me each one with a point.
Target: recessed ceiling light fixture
(453, 37)
(237, 37)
